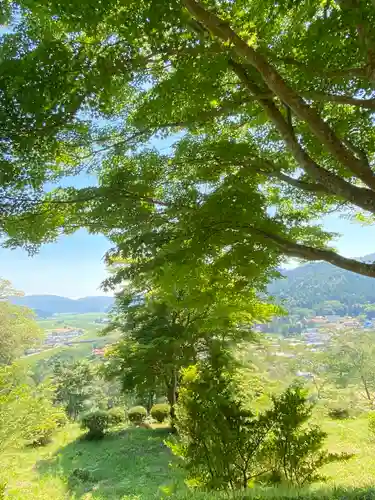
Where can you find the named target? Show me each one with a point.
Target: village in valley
(70, 336)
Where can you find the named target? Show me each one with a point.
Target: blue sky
(73, 267)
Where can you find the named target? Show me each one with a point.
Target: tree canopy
(263, 113)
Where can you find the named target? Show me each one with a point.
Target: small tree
(18, 328)
(221, 442)
(74, 386)
(297, 450)
(225, 445)
(350, 361)
(27, 414)
(174, 325)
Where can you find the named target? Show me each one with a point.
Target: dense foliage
(116, 415)
(27, 413)
(43, 420)
(297, 448)
(224, 444)
(168, 328)
(263, 117)
(266, 105)
(320, 289)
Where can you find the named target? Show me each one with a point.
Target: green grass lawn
(128, 463)
(134, 464)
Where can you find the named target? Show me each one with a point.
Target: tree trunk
(366, 389)
(150, 401)
(172, 395)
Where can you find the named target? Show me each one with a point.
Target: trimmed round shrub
(116, 416)
(160, 412)
(338, 413)
(137, 414)
(97, 422)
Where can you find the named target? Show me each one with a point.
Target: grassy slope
(351, 436)
(91, 331)
(134, 464)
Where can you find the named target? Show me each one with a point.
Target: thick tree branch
(336, 185)
(340, 99)
(357, 72)
(44, 207)
(318, 189)
(300, 251)
(286, 94)
(356, 150)
(270, 169)
(226, 108)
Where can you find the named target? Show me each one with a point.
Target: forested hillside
(325, 289)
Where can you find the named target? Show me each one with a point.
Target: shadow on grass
(324, 493)
(132, 462)
(283, 494)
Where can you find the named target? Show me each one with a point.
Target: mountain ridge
(46, 305)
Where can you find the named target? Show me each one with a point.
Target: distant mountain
(313, 285)
(46, 305)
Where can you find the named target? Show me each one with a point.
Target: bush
(96, 422)
(116, 416)
(137, 414)
(338, 413)
(61, 418)
(371, 423)
(296, 447)
(42, 434)
(160, 412)
(220, 441)
(224, 445)
(43, 420)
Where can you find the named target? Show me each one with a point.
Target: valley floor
(135, 464)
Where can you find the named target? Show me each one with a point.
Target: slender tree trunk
(366, 389)
(150, 401)
(172, 394)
